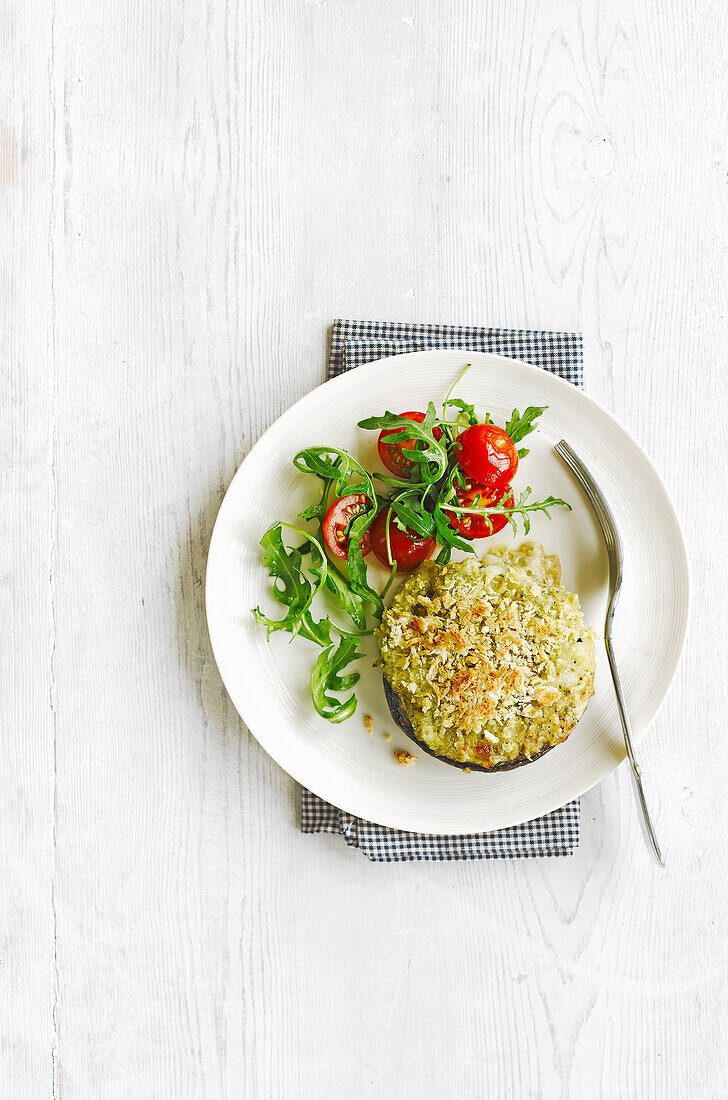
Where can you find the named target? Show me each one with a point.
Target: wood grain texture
(189, 193)
(28, 579)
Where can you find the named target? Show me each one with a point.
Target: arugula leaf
(386, 421)
(350, 602)
(318, 632)
(430, 418)
(395, 482)
(457, 381)
(410, 513)
(323, 462)
(326, 677)
(318, 511)
(337, 467)
(429, 454)
(458, 474)
(446, 533)
(519, 426)
(388, 536)
(522, 506)
(467, 415)
(356, 564)
(467, 412)
(295, 586)
(392, 575)
(291, 587)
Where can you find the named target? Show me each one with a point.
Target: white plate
(268, 681)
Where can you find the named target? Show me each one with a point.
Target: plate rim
(537, 372)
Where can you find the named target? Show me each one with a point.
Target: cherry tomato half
(478, 527)
(337, 520)
(393, 454)
(408, 548)
(488, 456)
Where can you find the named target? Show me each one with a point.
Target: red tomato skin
(476, 527)
(391, 453)
(407, 550)
(336, 521)
(488, 456)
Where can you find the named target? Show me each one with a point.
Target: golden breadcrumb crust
(491, 659)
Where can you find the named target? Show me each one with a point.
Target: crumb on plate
(368, 723)
(403, 757)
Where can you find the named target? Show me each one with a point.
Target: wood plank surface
(189, 194)
(28, 559)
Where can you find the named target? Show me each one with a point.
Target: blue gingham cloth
(557, 833)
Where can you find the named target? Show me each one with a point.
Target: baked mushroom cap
(487, 664)
(398, 714)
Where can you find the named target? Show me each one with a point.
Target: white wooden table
(189, 193)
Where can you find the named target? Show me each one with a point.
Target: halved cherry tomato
(392, 453)
(488, 456)
(408, 548)
(479, 496)
(337, 520)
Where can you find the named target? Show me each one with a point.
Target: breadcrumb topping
(491, 659)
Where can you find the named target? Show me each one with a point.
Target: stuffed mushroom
(487, 663)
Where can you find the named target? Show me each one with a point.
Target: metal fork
(614, 552)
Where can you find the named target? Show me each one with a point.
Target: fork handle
(649, 829)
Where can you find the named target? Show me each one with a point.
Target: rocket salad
(448, 483)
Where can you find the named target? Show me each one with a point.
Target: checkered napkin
(557, 833)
